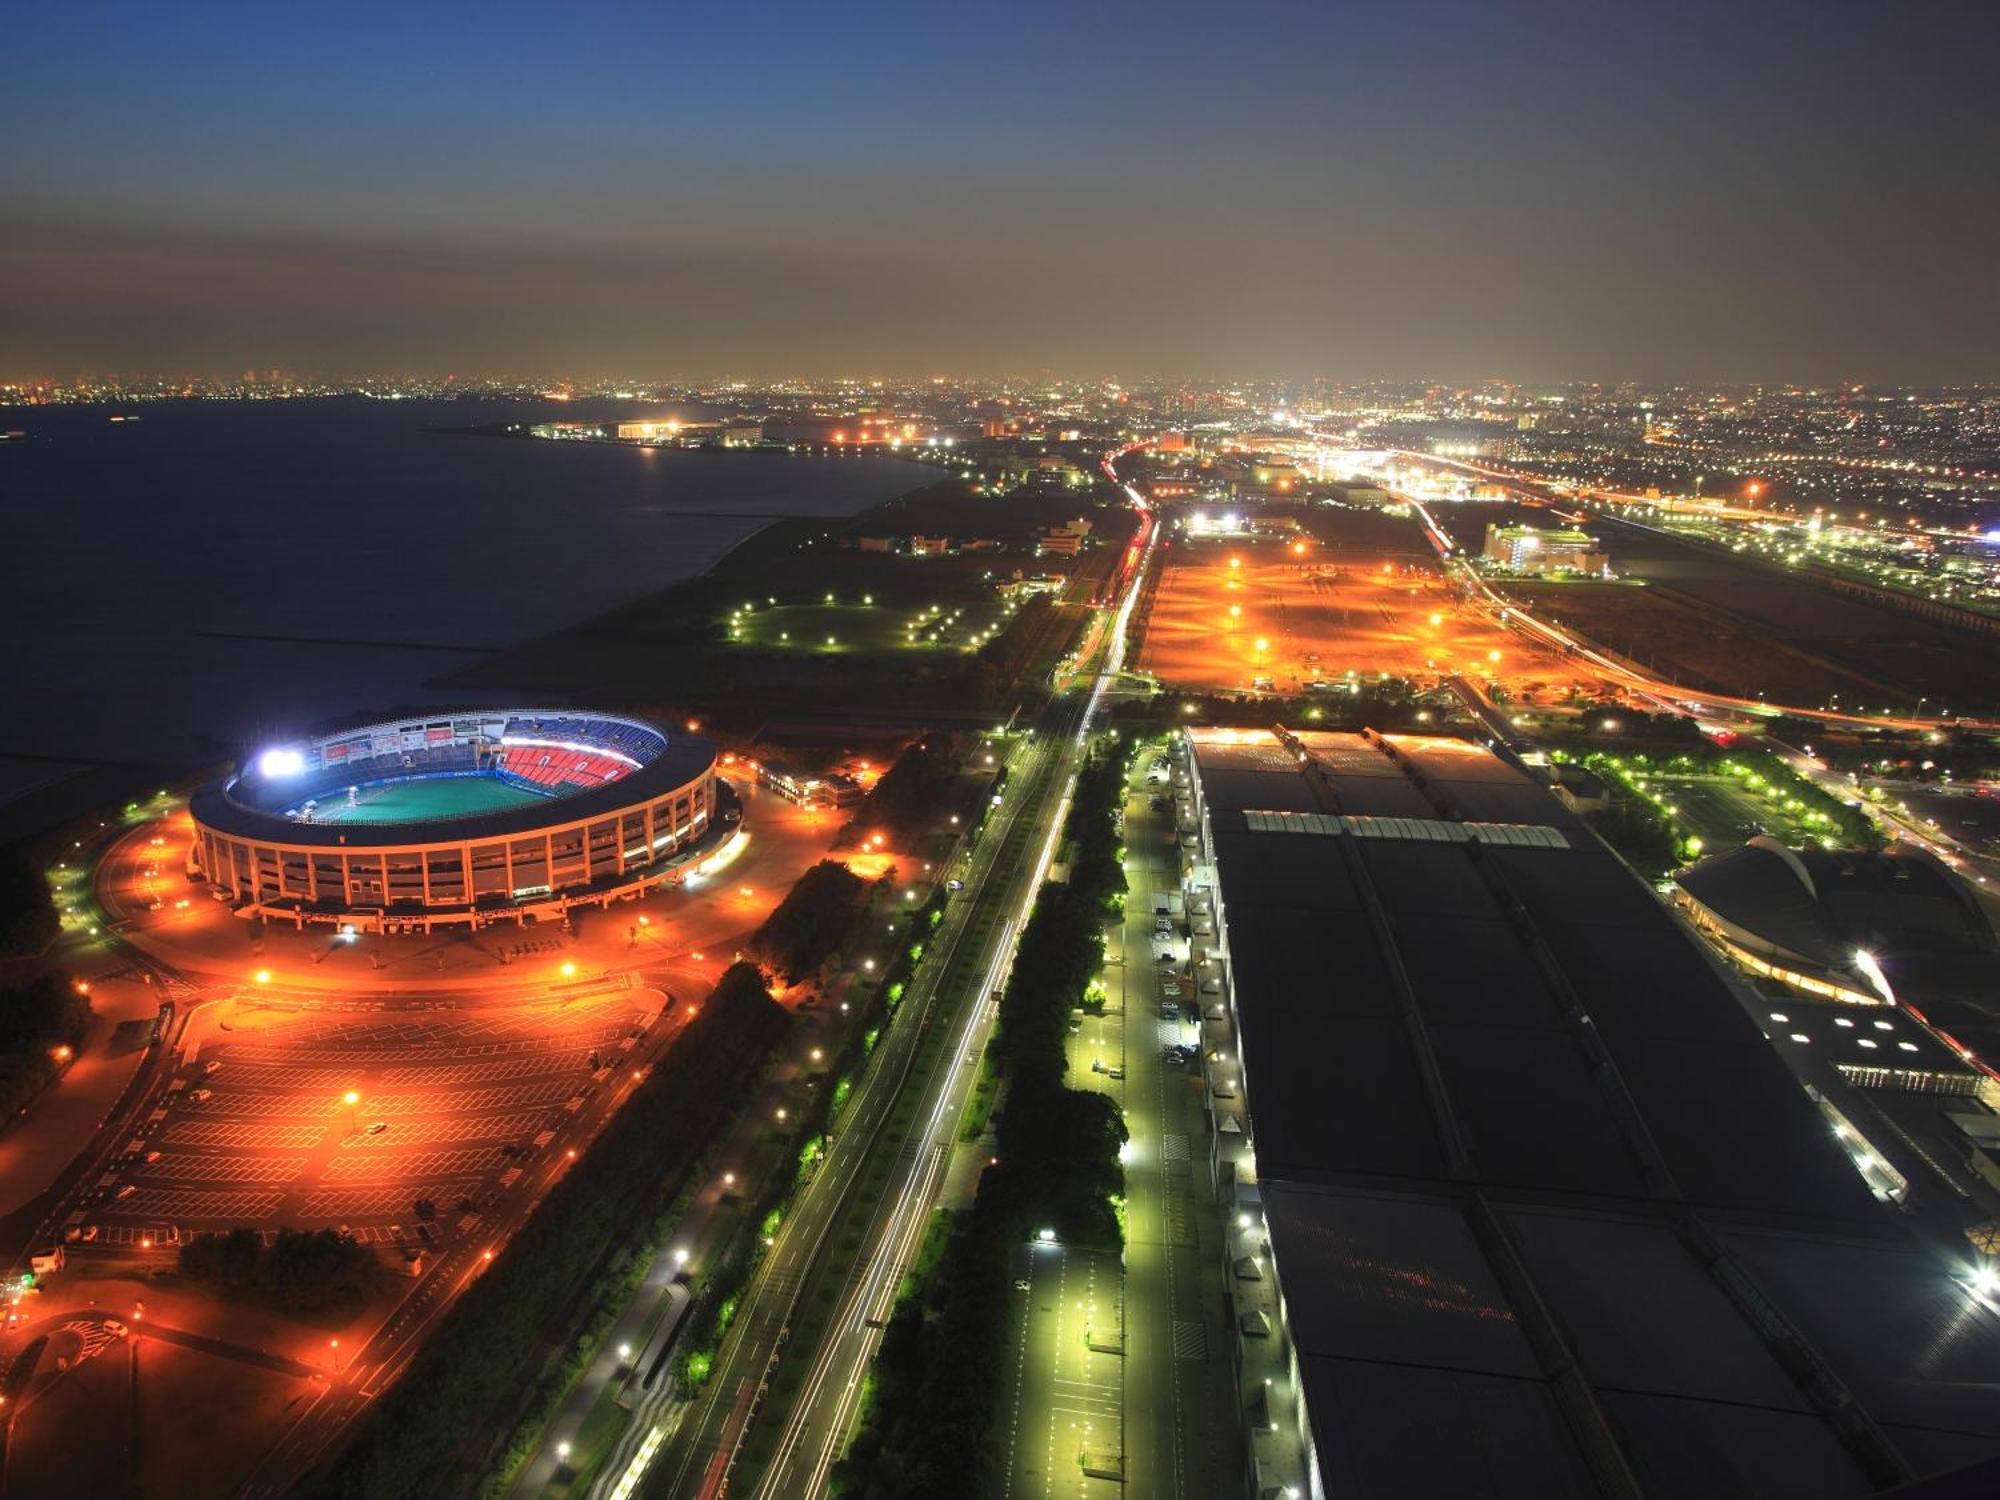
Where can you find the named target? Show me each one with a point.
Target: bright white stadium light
(283, 761)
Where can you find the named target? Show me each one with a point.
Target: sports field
(413, 801)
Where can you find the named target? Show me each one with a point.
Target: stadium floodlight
(282, 761)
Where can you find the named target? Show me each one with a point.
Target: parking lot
(406, 1127)
(1062, 1409)
(1240, 615)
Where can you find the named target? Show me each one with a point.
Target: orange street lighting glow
(568, 969)
(262, 976)
(350, 1097)
(1235, 562)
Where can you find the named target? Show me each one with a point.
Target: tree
(28, 921)
(812, 921)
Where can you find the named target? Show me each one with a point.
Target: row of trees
(506, 1344)
(36, 1018)
(1639, 831)
(301, 1270)
(936, 1379)
(1390, 707)
(28, 920)
(730, 1270)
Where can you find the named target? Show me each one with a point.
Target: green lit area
(866, 623)
(417, 801)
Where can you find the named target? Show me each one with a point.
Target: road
(814, 1428)
(697, 1457)
(1666, 696)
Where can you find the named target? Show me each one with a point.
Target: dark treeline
(301, 1270)
(28, 921)
(37, 1017)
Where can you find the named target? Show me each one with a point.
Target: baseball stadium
(493, 815)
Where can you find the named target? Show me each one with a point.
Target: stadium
(493, 815)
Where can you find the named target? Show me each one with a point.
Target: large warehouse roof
(1506, 1116)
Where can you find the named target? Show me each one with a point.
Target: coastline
(667, 616)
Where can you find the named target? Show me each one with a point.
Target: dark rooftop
(1507, 1114)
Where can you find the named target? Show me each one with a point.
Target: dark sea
(148, 568)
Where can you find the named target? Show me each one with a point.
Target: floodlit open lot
(1237, 614)
(1062, 1405)
(312, 1119)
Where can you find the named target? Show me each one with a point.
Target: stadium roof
(1541, 1196)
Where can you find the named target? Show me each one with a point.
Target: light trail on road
(846, 1354)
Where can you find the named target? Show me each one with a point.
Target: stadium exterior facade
(623, 807)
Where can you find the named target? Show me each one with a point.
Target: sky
(1665, 192)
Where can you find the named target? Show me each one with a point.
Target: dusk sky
(1669, 191)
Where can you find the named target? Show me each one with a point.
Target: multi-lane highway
(916, 1128)
(703, 1449)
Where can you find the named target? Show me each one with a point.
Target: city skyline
(1552, 193)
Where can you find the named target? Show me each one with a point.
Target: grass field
(410, 801)
(934, 625)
